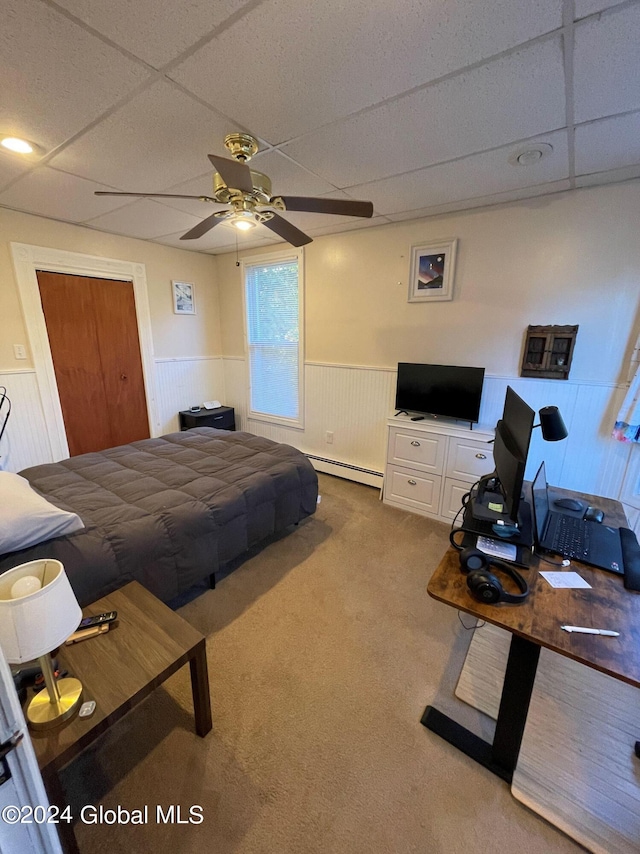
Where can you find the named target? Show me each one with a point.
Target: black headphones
(484, 585)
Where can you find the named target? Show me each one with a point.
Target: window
(273, 309)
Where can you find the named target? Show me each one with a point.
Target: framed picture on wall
(184, 298)
(432, 269)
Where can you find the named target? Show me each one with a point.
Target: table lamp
(38, 612)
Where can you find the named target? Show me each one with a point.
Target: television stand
(431, 465)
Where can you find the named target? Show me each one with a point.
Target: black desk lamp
(551, 423)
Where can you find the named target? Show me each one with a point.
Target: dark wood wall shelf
(548, 351)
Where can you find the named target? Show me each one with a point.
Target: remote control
(98, 620)
(87, 709)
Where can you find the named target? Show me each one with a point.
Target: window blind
(273, 337)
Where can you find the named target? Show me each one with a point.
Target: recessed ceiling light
(530, 154)
(17, 145)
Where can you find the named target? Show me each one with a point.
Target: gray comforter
(170, 511)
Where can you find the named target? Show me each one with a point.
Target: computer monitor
(510, 449)
(518, 418)
(509, 469)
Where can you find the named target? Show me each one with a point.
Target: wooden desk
(535, 624)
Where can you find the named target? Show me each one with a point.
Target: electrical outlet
(19, 351)
(329, 437)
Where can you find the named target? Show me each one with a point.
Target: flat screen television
(445, 390)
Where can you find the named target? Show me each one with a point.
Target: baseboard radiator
(347, 471)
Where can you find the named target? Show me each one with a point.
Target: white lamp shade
(40, 622)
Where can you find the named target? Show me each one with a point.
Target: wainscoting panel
(354, 403)
(25, 442)
(589, 459)
(183, 383)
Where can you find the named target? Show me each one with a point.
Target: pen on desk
(584, 631)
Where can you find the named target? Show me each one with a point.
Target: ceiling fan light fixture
(243, 220)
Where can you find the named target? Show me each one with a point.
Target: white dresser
(430, 464)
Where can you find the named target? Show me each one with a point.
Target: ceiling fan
(248, 193)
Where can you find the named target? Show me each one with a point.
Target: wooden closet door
(93, 336)
(119, 347)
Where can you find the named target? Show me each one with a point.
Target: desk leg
(501, 756)
(200, 689)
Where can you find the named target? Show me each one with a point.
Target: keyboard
(571, 537)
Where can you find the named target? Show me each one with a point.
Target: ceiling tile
(513, 98)
(354, 224)
(477, 175)
(484, 201)
(612, 176)
(59, 196)
(158, 139)
(608, 143)
(155, 31)
(144, 219)
(56, 77)
(288, 178)
(606, 49)
(221, 237)
(306, 64)
(10, 168)
(588, 7)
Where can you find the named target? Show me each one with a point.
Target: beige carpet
(323, 650)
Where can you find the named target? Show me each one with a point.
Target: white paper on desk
(564, 579)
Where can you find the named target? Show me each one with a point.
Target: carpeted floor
(323, 650)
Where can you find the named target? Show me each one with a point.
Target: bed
(170, 511)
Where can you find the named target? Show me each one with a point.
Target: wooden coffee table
(118, 670)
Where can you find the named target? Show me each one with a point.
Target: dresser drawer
(468, 459)
(416, 450)
(452, 495)
(418, 490)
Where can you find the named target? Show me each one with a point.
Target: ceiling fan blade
(203, 227)
(235, 174)
(290, 233)
(345, 207)
(153, 195)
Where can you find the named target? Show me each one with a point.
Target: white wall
(570, 258)
(186, 349)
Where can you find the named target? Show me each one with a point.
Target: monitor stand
(479, 519)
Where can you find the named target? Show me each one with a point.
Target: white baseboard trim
(347, 471)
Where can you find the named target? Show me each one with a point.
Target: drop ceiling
(421, 107)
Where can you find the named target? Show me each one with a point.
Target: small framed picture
(432, 269)
(184, 298)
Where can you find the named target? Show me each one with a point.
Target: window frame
(257, 261)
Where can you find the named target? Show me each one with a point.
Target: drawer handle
(218, 417)
(481, 456)
(412, 482)
(415, 444)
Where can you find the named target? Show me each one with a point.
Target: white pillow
(27, 518)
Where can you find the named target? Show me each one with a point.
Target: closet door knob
(481, 456)
(123, 376)
(415, 444)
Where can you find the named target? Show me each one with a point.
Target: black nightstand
(222, 418)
